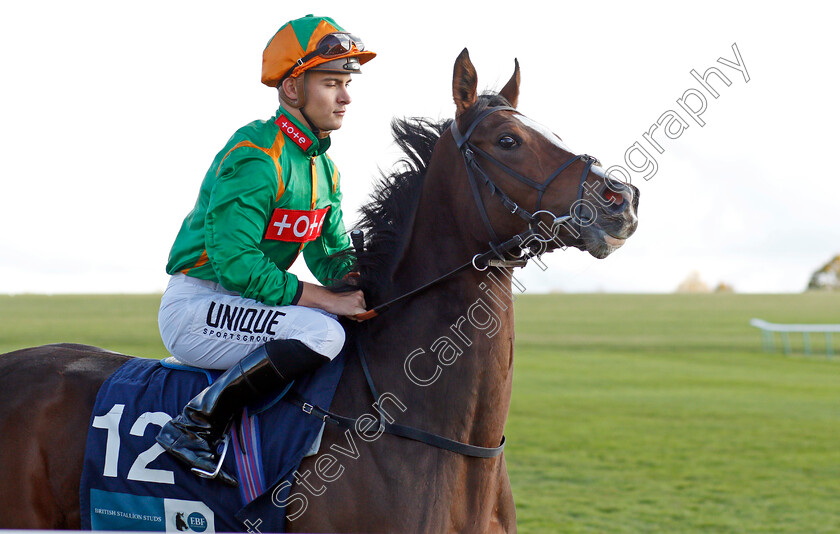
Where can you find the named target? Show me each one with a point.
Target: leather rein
(496, 256)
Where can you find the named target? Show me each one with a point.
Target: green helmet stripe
(304, 27)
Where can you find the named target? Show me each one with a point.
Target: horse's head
(522, 175)
(505, 180)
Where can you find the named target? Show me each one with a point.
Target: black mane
(385, 219)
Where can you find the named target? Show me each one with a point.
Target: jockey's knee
(324, 335)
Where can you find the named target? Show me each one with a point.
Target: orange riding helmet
(311, 43)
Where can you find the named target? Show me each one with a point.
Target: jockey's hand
(347, 303)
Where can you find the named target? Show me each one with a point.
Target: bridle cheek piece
(501, 253)
(498, 252)
(474, 169)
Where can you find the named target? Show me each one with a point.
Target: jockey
(271, 194)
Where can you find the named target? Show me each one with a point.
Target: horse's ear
(464, 82)
(511, 90)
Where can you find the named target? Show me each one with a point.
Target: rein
(496, 256)
(469, 151)
(479, 261)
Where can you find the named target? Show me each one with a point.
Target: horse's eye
(508, 141)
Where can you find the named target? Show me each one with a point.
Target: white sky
(112, 111)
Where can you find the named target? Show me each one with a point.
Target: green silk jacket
(271, 194)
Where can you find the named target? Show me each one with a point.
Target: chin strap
(315, 129)
(300, 102)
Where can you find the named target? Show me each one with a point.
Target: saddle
(130, 483)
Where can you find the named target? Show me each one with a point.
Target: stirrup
(203, 473)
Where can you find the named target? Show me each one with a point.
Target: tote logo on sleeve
(298, 226)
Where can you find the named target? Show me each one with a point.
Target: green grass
(660, 413)
(630, 413)
(122, 323)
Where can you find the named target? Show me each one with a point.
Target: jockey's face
(327, 97)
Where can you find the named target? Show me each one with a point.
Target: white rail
(768, 331)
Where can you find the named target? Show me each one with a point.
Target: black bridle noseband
(499, 252)
(469, 151)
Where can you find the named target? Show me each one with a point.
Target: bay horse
(470, 193)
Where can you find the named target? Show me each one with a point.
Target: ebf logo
(197, 522)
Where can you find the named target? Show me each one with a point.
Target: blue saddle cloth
(130, 483)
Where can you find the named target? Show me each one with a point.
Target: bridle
(500, 252)
(469, 151)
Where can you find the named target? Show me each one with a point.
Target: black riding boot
(195, 435)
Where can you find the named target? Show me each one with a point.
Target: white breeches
(204, 325)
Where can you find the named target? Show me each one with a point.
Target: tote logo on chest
(298, 226)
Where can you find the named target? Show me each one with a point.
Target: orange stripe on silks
(314, 183)
(201, 261)
(334, 176)
(238, 145)
(314, 172)
(273, 153)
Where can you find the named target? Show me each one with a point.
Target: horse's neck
(447, 355)
(452, 345)
(442, 235)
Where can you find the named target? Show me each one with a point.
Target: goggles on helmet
(336, 44)
(332, 45)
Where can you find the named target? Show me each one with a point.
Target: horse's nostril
(617, 194)
(613, 197)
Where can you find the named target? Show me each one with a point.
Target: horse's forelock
(486, 100)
